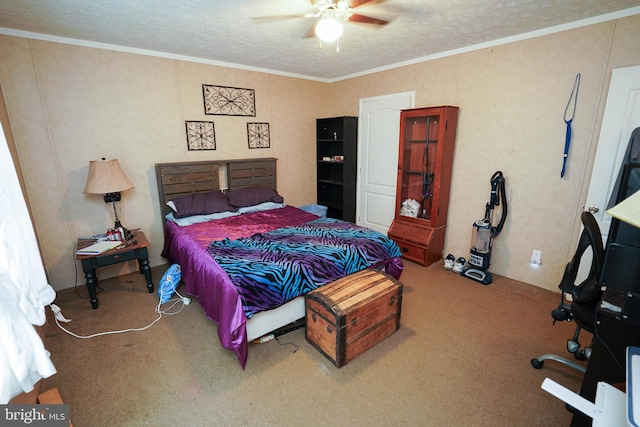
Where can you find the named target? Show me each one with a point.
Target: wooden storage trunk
(347, 317)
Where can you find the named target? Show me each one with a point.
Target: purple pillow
(250, 196)
(202, 204)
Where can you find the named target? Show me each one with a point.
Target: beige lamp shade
(106, 176)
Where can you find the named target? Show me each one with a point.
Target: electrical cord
(57, 313)
(295, 346)
(168, 312)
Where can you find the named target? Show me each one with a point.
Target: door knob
(593, 209)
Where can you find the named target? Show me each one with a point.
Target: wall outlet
(536, 257)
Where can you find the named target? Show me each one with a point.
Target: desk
(138, 251)
(617, 333)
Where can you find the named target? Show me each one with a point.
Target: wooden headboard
(183, 178)
(251, 173)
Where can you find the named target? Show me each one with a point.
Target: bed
(242, 266)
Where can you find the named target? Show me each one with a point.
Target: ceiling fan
(330, 15)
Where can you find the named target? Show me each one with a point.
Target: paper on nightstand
(99, 247)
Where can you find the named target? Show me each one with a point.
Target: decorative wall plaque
(258, 135)
(229, 101)
(201, 135)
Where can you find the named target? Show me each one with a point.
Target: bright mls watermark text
(34, 415)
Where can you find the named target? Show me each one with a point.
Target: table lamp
(106, 177)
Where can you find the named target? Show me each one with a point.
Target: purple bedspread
(205, 279)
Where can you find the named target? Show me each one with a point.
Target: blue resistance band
(567, 140)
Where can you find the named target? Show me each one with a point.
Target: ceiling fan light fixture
(329, 30)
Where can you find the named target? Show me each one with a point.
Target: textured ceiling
(223, 31)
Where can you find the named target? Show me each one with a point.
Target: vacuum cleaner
(483, 233)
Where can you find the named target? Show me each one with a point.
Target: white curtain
(24, 290)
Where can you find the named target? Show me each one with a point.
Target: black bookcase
(337, 147)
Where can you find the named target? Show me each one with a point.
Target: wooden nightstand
(137, 250)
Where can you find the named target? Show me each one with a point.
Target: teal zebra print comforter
(268, 269)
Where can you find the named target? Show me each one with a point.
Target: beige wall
(68, 105)
(512, 100)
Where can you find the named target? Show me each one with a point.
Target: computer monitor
(620, 231)
(621, 268)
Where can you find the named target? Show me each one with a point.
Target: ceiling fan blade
(270, 18)
(311, 32)
(362, 19)
(357, 3)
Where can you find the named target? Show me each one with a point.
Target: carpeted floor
(460, 358)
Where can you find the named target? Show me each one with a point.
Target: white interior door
(621, 117)
(378, 138)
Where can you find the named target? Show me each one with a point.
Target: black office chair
(585, 296)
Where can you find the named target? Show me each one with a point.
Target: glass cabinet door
(418, 160)
(425, 165)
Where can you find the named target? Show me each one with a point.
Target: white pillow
(194, 219)
(261, 207)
